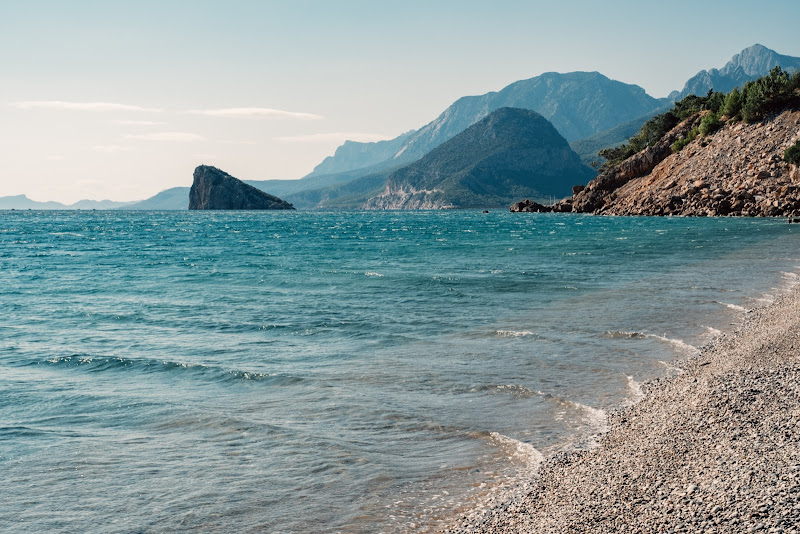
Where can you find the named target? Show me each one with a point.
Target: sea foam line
(519, 450)
(513, 333)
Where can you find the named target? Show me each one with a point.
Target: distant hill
(588, 147)
(22, 202)
(509, 153)
(174, 198)
(578, 104)
(749, 64)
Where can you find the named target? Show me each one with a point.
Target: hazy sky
(120, 100)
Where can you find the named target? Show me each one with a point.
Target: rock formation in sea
(738, 170)
(214, 189)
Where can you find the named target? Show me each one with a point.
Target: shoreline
(714, 449)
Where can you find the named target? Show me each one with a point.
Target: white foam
(596, 418)
(679, 344)
(513, 333)
(712, 332)
(373, 273)
(635, 389)
(519, 450)
(671, 368)
(616, 334)
(734, 307)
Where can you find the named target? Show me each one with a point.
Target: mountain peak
(749, 64)
(509, 152)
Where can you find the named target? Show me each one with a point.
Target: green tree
(792, 154)
(732, 107)
(710, 123)
(765, 94)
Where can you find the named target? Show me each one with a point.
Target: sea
(353, 372)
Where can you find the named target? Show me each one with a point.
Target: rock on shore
(736, 171)
(715, 449)
(213, 189)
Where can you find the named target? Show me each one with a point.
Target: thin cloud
(80, 106)
(111, 148)
(141, 123)
(168, 136)
(256, 112)
(338, 137)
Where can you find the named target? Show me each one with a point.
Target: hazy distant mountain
(174, 198)
(355, 155)
(578, 104)
(588, 147)
(749, 64)
(22, 202)
(509, 154)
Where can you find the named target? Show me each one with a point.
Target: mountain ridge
(509, 151)
(749, 64)
(593, 103)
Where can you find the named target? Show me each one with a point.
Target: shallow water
(357, 372)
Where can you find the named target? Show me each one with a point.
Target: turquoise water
(355, 372)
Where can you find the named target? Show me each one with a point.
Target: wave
(713, 332)
(734, 307)
(675, 342)
(672, 368)
(679, 344)
(513, 333)
(635, 393)
(99, 364)
(622, 334)
(595, 418)
(518, 450)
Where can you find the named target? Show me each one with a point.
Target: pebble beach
(714, 449)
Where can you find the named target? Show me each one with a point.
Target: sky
(122, 99)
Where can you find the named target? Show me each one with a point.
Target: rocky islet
(213, 189)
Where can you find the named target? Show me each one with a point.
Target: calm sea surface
(354, 372)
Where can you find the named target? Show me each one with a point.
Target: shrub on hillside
(678, 145)
(654, 129)
(710, 123)
(765, 94)
(732, 107)
(792, 154)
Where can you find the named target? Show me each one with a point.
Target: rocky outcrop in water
(736, 171)
(214, 189)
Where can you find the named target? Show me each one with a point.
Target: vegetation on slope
(792, 154)
(755, 100)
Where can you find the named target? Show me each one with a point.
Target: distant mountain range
(22, 202)
(511, 153)
(749, 64)
(588, 109)
(579, 104)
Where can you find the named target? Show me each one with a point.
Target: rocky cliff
(213, 189)
(736, 171)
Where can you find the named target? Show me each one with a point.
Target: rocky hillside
(736, 171)
(487, 165)
(213, 189)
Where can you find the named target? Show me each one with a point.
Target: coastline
(713, 449)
